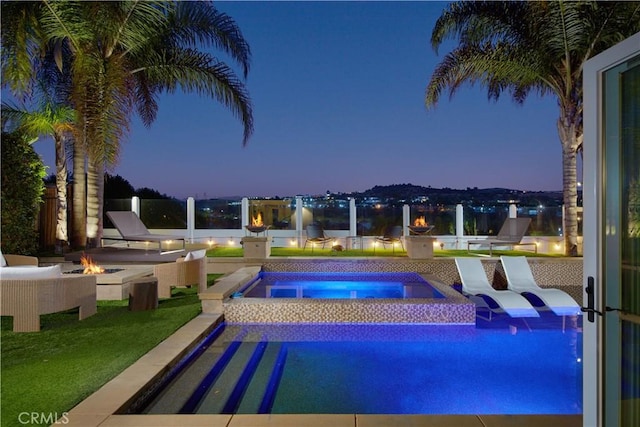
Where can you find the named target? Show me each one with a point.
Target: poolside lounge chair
(133, 230)
(392, 235)
(510, 234)
(476, 286)
(520, 279)
(315, 235)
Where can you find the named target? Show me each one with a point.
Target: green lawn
(226, 251)
(53, 370)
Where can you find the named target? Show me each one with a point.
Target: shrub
(22, 188)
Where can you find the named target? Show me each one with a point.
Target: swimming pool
(506, 366)
(330, 285)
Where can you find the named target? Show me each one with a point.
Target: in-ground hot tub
(423, 299)
(335, 285)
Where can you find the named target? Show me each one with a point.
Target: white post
(244, 212)
(135, 205)
(353, 225)
(353, 219)
(459, 226)
(513, 211)
(191, 218)
(299, 220)
(406, 215)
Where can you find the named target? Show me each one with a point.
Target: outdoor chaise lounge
(29, 291)
(133, 230)
(520, 279)
(476, 286)
(510, 234)
(187, 271)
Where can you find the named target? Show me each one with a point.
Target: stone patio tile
(531, 420)
(293, 420)
(418, 421)
(167, 421)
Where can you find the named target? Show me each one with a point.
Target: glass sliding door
(621, 281)
(612, 243)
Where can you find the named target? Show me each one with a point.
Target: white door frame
(593, 221)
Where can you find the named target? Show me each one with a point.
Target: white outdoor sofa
(26, 292)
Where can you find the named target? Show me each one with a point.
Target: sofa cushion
(29, 273)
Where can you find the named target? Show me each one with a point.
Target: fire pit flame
(257, 221)
(420, 222)
(257, 226)
(420, 226)
(89, 266)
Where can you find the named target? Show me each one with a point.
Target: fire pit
(104, 271)
(113, 281)
(257, 226)
(90, 267)
(420, 226)
(256, 229)
(421, 230)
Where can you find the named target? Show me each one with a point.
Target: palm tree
(521, 47)
(124, 55)
(56, 121)
(52, 117)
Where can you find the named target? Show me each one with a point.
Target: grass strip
(51, 371)
(226, 251)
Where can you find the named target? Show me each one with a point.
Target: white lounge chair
(477, 287)
(510, 234)
(520, 279)
(133, 230)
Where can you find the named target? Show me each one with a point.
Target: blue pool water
(502, 366)
(339, 285)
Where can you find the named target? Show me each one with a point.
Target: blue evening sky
(338, 98)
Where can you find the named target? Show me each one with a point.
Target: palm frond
(477, 22)
(200, 24)
(499, 69)
(20, 45)
(198, 72)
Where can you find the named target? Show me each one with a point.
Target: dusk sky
(338, 100)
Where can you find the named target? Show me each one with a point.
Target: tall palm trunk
(571, 140)
(62, 237)
(95, 196)
(79, 228)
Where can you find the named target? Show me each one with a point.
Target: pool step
(186, 374)
(259, 385)
(186, 383)
(249, 382)
(215, 388)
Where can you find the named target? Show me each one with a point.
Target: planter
(256, 247)
(419, 247)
